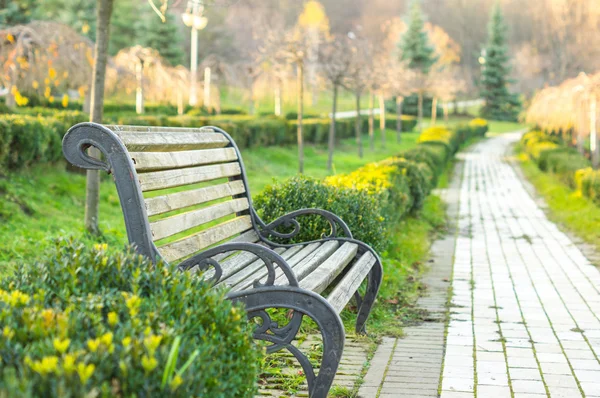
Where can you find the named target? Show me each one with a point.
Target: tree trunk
(218, 99)
(252, 109)
(139, 92)
(87, 102)
(371, 122)
(332, 129)
(580, 132)
(420, 111)
(434, 111)
(446, 113)
(278, 100)
(399, 100)
(455, 110)
(382, 118)
(103, 14)
(594, 131)
(180, 102)
(357, 126)
(207, 79)
(300, 112)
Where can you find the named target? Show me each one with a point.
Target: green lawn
(45, 202)
(497, 126)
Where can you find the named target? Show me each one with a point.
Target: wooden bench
(185, 199)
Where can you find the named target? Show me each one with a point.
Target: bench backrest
(190, 181)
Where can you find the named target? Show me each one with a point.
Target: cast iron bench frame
(124, 146)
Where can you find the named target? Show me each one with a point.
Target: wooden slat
(192, 244)
(152, 139)
(148, 161)
(343, 292)
(319, 279)
(175, 201)
(247, 237)
(293, 261)
(249, 273)
(175, 224)
(173, 178)
(312, 261)
(233, 263)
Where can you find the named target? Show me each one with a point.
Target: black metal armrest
(205, 260)
(290, 220)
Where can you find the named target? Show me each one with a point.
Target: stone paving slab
(529, 299)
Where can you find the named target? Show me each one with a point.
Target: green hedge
(371, 199)
(85, 322)
(25, 140)
(553, 156)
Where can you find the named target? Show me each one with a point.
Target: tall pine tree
(417, 53)
(164, 37)
(499, 104)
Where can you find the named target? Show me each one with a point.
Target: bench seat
(185, 199)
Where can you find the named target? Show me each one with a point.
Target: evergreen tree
(500, 104)
(164, 37)
(124, 29)
(417, 53)
(416, 50)
(14, 12)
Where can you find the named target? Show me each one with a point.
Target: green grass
(497, 126)
(567, 207)
(45, 202)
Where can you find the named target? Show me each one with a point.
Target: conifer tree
(164, 37)
(417, 52)
(500, 104)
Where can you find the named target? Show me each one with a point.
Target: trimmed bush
(552, 156)
(361, 211)
(86, 322)
(587, 182)
(408, 122)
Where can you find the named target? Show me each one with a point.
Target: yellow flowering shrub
(587, 182)
(90, 323)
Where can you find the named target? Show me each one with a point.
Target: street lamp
(194, 19)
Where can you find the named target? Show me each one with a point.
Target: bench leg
(366, 304)
(303, 303)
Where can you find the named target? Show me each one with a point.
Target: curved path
(525, 314)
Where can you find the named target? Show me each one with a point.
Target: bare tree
(357, 79)
(335, 61)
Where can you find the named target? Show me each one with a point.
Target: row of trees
(571, 110)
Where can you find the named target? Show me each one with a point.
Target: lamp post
(194, 19)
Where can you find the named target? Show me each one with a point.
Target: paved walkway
(525, 313)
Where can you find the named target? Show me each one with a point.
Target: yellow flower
(69, 363)
(61, 345)
(93, 345)
(10, 38)
(133, 303)
(16, 297)
(52, 73)
(48, 317)
(35, 84)
(126, 342)
(85, 28)
(149, 363)
(85, 372)
(99, 247)
(176, 382)
(51, 99)
(8, 333)
(113, 318)
(45, 366)
(107, 339)
(152, 342)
